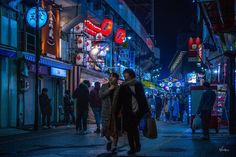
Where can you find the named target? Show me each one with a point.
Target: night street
(175, 140)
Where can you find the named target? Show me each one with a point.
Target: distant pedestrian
(159, 106)
(133, 102)
(96, 105)
(81, 94)
(175, 112)
(205, 108)
(68, 108)
(45, 106)
(109, 95)
(166, 109)
(181, 107)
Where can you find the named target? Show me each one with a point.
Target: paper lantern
(89, 31)
(79, 28)
(106, 27)
(92, 26)
(88, 45)
(120, 36)
(80, 42)
(79, 58)
(99, 36)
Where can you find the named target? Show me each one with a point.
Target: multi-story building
(111, 38)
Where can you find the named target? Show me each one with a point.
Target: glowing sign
(170, 84)
(58, 72)
(120, 36)
(31, 17)
(192, 78)
(177, 84)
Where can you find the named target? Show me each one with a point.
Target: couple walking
(127, 100)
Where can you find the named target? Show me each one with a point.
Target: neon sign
(120, 36)
(31, 17)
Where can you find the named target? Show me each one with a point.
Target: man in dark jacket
(133, 102)
(206, 105)
(159, 106)
(81, 94)
(96, 105)
(68, 108)
(45, 106)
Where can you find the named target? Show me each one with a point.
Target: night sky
(172, 17)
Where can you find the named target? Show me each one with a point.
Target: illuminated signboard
(120, 36)
(192, 77)
(58, 72)
(31, 17)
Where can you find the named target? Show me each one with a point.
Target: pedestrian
(96, 105)
(45, 106)
(81, 94)
(181, 107)
(175, 112)
(109, 95)
(68, 108)
(171, 107)
(205, 107)
(166, 109)
(133, 104)
(159, 106)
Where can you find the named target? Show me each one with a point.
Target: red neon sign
(106, 27)
(120, 36)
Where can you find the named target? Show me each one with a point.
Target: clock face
(31, 17)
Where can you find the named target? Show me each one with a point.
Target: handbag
(150, 130)
(197, 122)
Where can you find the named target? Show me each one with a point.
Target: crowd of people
(117, 108)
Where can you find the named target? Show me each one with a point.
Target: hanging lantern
(79, 59)
(89, 31)
(106, 27)
(79, 28)
(178, 84)
(88, 45)
(99, 36)
(120, 36)
(92, 26)
(80, 42)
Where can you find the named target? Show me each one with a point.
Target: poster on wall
(51, 31)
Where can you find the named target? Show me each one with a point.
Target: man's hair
(130, 72)
(207, 84)
(97, 84)
(115, 75)
(87, 83)
(44, 90)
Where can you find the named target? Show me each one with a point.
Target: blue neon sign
(31, 17)
(58, 72)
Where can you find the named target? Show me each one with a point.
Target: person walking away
(45, 106)
(206, 105)
(171, 107)
(96, 105)
(181, 107)
(68, 108)
(81, 94)
(133, 102)
(159, 106)
(109, 95)
(175, 113)
(166, 109)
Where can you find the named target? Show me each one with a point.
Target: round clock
(31, 17)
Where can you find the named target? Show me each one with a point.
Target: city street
(175, 140)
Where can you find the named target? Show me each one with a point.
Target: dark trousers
(206, 117)
(167, 114)
(181, 113)
(44, 116)
(81, 120)
(68, 114)
(133, 137)
(97, 114)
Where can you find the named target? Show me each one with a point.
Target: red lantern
(106, 27)
(190, 43)
(120, 36)
(91, 26)
(89, 31)
(198, 41)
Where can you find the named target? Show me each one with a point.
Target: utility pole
(37, 58)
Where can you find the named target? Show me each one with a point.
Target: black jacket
(81, 94)
(125, 103)
(45, 103)
(207, 101)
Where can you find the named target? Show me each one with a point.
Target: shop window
(8, 27)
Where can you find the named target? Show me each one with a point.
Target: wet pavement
(174, 140)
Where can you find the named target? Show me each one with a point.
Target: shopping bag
(197, 122)
(150, 130)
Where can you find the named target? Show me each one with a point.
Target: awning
(8, 53)
(47, 61)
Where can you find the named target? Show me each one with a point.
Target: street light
(229, 47)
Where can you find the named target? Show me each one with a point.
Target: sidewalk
(175, 140)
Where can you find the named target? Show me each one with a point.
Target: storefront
(8, 88)
(52, 75)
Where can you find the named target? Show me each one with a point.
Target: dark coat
(68, 103)
(207, 101)
(95, 100)
(131, 119)
(45, 104)
(81, 94)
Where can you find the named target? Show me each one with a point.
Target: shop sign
(192, 77)
(58, 72)
(120, 36)
(149, 84)
(31, 17)
(43, 70)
